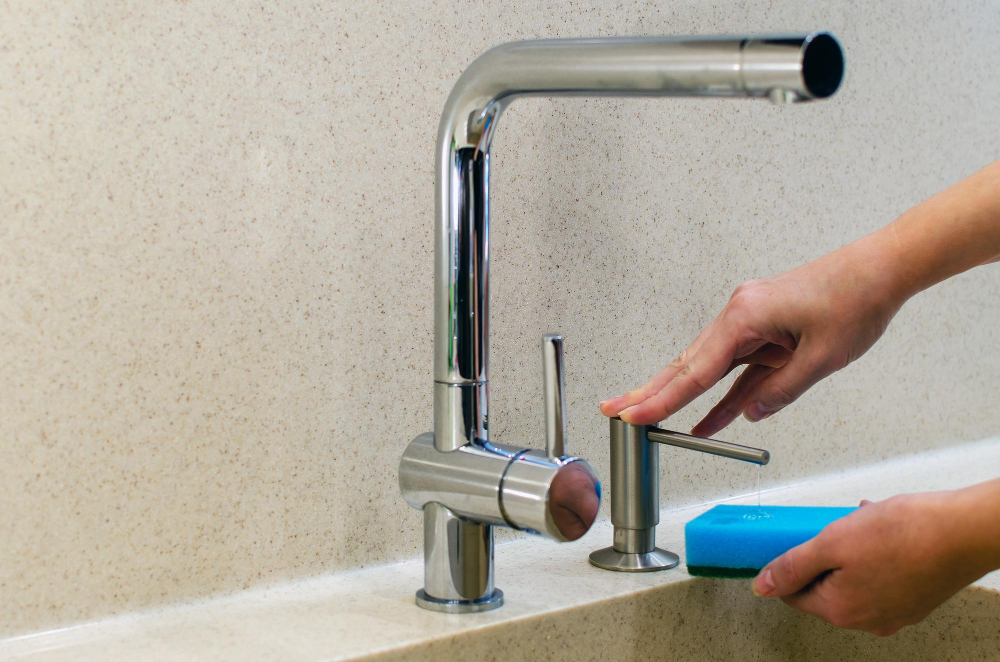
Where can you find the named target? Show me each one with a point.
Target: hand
(791, 330)
(886, 565)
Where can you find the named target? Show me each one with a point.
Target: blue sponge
(738, 541)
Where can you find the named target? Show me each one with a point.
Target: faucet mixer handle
(555, 394)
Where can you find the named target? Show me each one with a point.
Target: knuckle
(832, 532)
(787, 571)
(746, 296)
(730, 411)
(897, 508)
(900, 502)
(743, 290)
(689, 374)
(681, 361)
(781, 396)
(831, 362)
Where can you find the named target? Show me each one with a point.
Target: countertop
(550, 591)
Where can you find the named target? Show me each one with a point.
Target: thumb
(784, 386)
(792, 571)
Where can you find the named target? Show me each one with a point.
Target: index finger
(614, 406)
(710, 364)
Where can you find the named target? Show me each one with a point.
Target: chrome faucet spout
(781, 68)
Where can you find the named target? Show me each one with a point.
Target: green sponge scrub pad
(736, 542)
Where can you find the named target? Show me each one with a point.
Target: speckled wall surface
(215, 267)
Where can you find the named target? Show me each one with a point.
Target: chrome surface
(458, 563)
(610, 558)
(460, 410)
(464, 483)
(550, 496)
(466, 491)
(635, 505)
(810, 67)
(502, 485)
(635, 483)
(710, 446)
(554, 387)
(779, 67)
(635, 541)
(492, 601)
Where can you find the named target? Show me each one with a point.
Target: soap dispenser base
(610, 558)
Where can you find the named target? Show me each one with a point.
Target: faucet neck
(783, 68)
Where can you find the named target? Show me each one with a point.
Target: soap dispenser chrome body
(464, 481)
(635, 492)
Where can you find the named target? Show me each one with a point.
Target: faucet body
(465, 492)
(635, 492)
(461, 484)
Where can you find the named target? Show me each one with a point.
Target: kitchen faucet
(465, 482)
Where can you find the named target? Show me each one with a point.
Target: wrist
(917, 264)
(949, 233)
(884, 272)
(975, 512)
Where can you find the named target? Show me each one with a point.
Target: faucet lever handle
(555, 394)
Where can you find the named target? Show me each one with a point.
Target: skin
(890, 563)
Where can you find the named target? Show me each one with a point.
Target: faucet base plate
(610, 558)
(492, 601)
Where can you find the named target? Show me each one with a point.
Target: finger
(614, 406)
(771, 355)
(702, 371)
(825, 600)
(793, 570)
(865, 502)
(785, 385)
(732, 404)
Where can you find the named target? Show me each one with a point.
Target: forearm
(945, 235)
(975, 512)
(798, 327)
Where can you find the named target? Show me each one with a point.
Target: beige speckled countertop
(557, 606)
